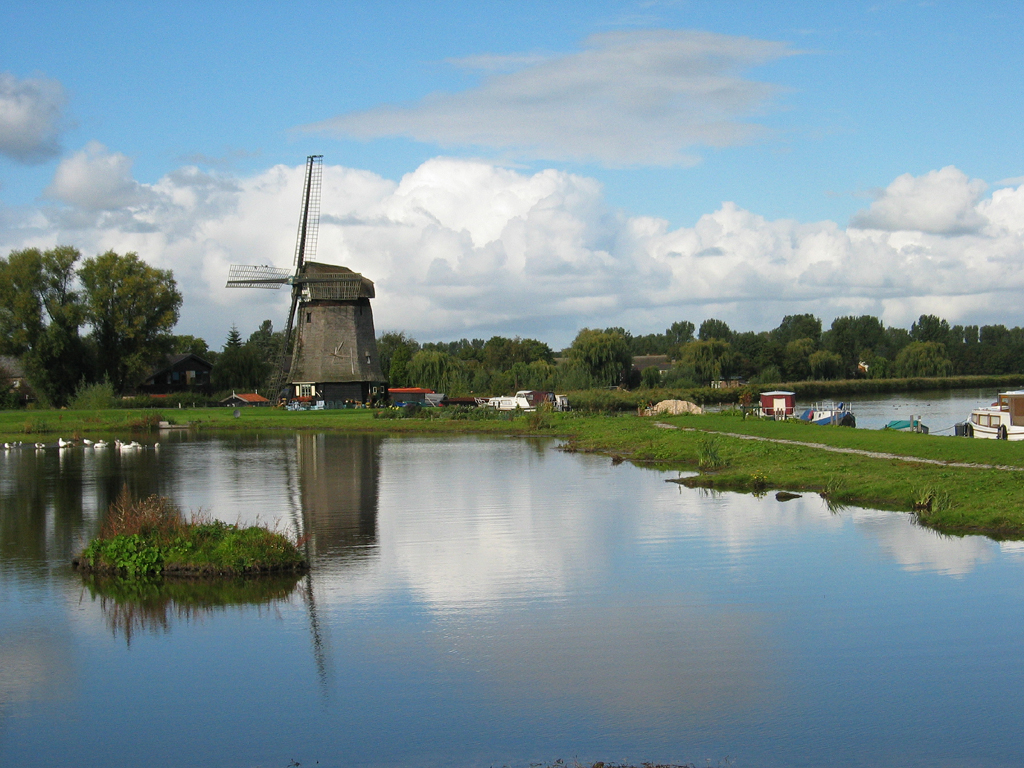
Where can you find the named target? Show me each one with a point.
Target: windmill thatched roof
(356, 286)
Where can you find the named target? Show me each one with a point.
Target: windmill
(334, 357)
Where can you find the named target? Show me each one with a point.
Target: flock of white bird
(96, 445)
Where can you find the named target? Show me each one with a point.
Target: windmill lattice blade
(309, 217)
(249, 276)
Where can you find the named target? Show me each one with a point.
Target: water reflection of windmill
(332, 495)
(338, 484)
(335, 353)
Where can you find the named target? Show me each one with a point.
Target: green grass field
(953, 500)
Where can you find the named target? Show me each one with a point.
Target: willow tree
(438, 371)
(604, 355)
(132, 308)
(923, 358)
(710, 360)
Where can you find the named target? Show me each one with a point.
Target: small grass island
(150, 538)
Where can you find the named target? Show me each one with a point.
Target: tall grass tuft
(708, 456)
(929, 499)
(129, 516)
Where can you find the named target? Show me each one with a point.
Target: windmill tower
(334, 357)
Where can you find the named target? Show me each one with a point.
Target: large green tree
(930, 328)
(132, 308)
(797, 360)
(794, 327)
(852, 338)
(185, 344)
(40, 316)
(395, 350)
(712, 328)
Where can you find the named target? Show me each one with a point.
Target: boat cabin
(1003, 420)
(778, 404)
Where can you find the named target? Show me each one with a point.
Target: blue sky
(534, 168)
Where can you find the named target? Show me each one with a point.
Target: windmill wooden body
(334, 357)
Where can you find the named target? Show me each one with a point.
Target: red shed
(778, 404)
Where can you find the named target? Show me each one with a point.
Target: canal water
(939, 411)
(490, 602)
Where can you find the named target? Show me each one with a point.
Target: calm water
(479, 602)
(939, 411)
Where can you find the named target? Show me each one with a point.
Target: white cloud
(942, 202)
(30, 117)
(466, 248)
(628, 98)
(94, 179)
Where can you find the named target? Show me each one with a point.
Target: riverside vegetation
(149, 538)
(987, 498)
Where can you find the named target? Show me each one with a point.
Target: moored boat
(830, 414)
(913, 424)
(1003, 420)
(527, 400)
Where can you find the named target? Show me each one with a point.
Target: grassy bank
(953, 500)
(145, 538)
(47, 426)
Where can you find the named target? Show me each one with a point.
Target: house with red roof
(237, 401)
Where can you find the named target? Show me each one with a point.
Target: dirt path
(856, 451)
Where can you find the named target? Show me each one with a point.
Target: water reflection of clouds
(918, 549)
(454, 533)
(732, 521)
(741, 523)
(503, 561)
(458, 532)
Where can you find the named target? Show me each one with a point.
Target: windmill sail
(247, 276)
(309, 220)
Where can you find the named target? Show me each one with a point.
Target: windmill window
(309, 317)
(367, 358)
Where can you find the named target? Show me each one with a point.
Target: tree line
(73, 322)
(798, 349)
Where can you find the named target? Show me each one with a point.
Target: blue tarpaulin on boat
(906, 424)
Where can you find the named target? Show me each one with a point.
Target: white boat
(520, 400)
(1003, 420)
(527, 400)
